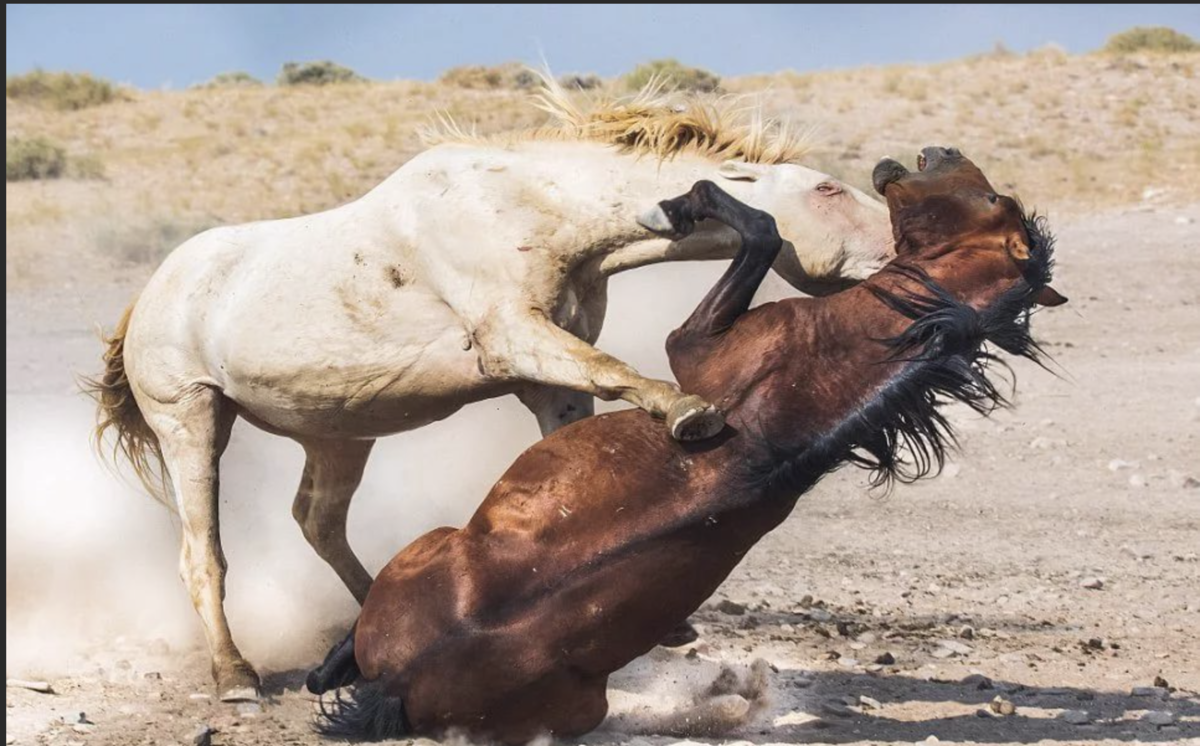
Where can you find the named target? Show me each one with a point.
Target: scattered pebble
(1002, 706)
(966, 632)
(1149, 691)
(1075, 717)
(1092, 584)
(847, 662)
(802, 682)
(886, 659)
(731, 608)
(836, 709)
(203, 735)
(869, 703)
(1159, 717)
(1160, 682)
(956, 647)
(979, 681)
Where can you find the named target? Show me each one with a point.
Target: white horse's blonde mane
(653, 122)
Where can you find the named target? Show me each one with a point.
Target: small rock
(836, 709)
(1160, 682)
(41, 687)
(979, 681)
(1092, 584)
(1137, 480)
(982, 713)
(1149, 691)
(152, 676)
(1159, 718)
(966, 632)
(1075, 717)
(1002, 706)
(820, 615)
(806, 601)
(956, 647)
(1118, 464)
(1042, 443)
(731, 608)
(203, 735)
(886, 659)
(249, 709)
(802, 682)
(847, 662)
(1094, 643)
(869, 703)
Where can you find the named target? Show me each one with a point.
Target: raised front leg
(528, 346)
(732, 294)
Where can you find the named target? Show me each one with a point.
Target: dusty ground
(1089, 482)
(993, 555)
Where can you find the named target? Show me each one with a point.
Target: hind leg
(193, 429)
(332, 473)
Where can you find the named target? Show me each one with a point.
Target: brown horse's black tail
(365, 711)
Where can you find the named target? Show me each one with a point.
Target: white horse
(478, 269)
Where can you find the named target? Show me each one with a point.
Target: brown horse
(602, 538)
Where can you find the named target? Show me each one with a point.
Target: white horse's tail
(117, 410)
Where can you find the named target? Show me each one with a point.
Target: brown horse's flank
(604, 536)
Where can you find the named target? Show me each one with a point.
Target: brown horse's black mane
(901, 434)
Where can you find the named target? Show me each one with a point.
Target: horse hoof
(692, 418)
(239, 685)
(684, 634)
(655, 220)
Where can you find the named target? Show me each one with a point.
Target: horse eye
(993, 198)
(827, 188)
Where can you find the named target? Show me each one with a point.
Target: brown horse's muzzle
(929, 160)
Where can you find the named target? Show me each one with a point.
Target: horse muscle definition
(607, 534)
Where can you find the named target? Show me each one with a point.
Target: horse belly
(360, 368)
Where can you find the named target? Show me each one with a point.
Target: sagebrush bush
(510, 75)
(233, 79)
(60, 90)
(1151, 39)
(35, 158)
(321, 72)
(32, 158)
(580, 81)
(676, 75)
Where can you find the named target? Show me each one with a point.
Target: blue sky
(175, 46)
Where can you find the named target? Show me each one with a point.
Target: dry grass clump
(511, 76)
(38, 158)
(60, 90)
(321, 72)
(676, 74)
(1151, 39)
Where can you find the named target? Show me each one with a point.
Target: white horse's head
(834, 234)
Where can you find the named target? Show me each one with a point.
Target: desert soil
(1054, 565)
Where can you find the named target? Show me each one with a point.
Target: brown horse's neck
(827, 374)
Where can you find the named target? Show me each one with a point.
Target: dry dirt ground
(1054, 565)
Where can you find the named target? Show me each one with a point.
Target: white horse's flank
(476, 270)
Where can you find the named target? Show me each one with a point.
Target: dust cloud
(90, 560)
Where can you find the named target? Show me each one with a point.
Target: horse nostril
(953, 152)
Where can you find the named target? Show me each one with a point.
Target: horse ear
(741, 171)
(1049, 297)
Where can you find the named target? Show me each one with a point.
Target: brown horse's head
(948, 205)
